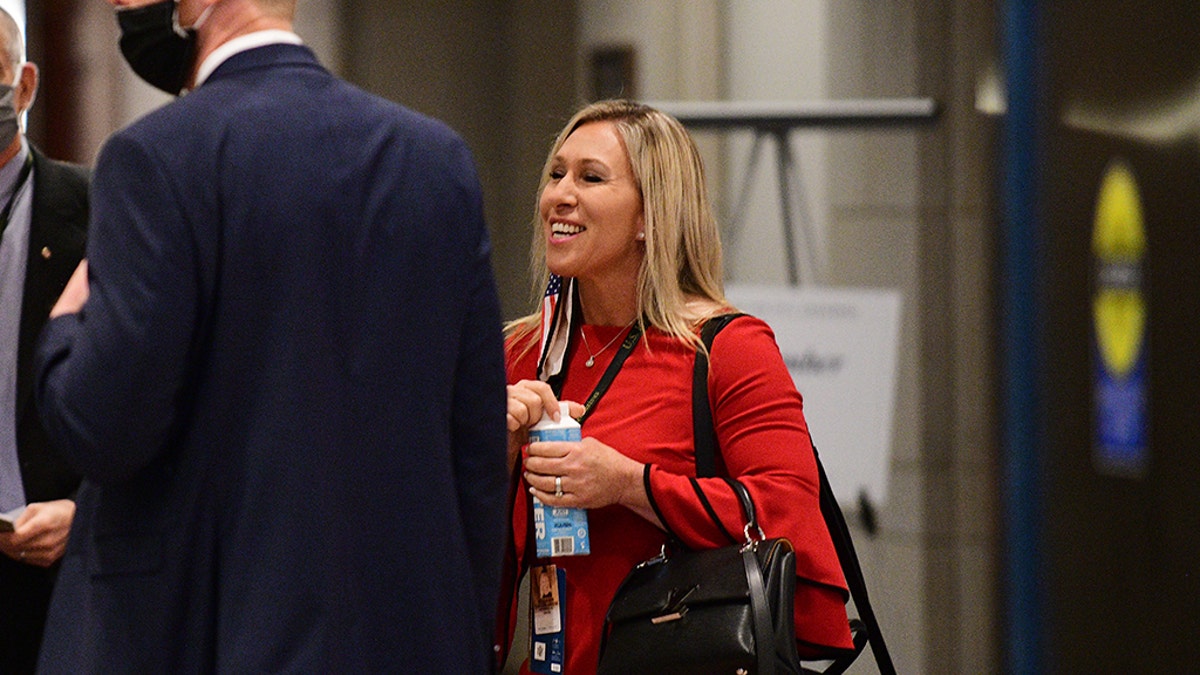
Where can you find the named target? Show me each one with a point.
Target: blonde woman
(629, 251)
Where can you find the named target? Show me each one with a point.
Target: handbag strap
(706, 444)
(760, 607)
(748, 511)
(705, 439)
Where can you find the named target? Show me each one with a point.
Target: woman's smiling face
(591, 208)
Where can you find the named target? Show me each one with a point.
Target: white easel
(776, 120)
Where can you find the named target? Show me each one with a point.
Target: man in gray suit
(43, 217)
(280, 371)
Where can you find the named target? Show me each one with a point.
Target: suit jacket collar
(268, 56)
(240, 44)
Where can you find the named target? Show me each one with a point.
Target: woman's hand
(527, 402)
(590, 473)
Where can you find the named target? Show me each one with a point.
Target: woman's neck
(604, 306)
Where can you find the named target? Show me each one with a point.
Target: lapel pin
(46, 252)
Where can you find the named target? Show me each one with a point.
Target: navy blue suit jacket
(285, 392)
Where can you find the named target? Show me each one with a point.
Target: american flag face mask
(557, 306)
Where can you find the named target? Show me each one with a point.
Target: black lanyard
(556, 383)
(631, 340)
(24, 176)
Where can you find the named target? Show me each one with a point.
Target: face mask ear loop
(179, 30)
(204, 16)
(183, 32)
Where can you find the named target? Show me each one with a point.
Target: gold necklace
(592, 355)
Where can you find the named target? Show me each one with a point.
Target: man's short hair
(14, 42)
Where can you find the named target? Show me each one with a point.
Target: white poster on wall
(841, 346)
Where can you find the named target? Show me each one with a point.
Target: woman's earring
(641, 236)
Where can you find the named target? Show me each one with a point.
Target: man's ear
(26, 87)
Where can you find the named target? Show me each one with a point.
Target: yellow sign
(1118, 244)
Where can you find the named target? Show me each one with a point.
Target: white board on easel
(841, 346)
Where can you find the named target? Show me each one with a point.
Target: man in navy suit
(280, 372)
(43, 217)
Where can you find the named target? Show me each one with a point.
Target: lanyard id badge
(548, 616)
(548, 582)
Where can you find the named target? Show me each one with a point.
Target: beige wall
(959, 438)
(915, 210)
(501, 73)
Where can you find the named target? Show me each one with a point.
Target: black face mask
(154, 45)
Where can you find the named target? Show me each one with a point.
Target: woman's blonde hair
(683, 244)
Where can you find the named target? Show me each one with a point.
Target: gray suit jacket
(57, 237)
(58, 231)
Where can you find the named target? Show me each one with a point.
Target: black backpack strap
(705, 439)
(855, 581)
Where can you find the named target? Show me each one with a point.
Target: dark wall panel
(1123, 550)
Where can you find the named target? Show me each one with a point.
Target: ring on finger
(558, 492)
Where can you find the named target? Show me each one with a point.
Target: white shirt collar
(243, 43)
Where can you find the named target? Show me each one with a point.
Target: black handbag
(722, 610)
(732, 612)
